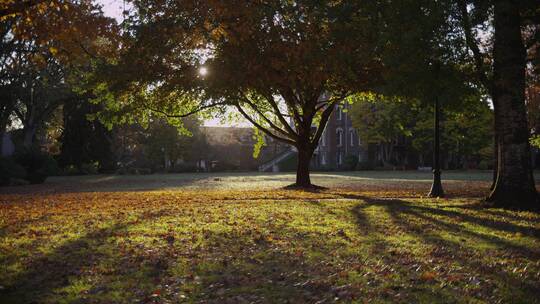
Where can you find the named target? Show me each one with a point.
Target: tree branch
(473, 45)
(325, 116)
(280, 115)
(266, 131)
(290, 105)
(272, 125)
(146, 106)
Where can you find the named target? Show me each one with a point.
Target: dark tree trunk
(5, 111)
(495, 162)
(2, 132)
(514, 187)
(302, 170)
(29, 136)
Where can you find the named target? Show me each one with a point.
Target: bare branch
(473, 45)
(194, 111)
(287, 96)
(260, 127)
(256, 109)
(324, 120)
(280, 115)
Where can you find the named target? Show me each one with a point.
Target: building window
(339, 137)
(323, 139)
(323, 158)
(359, 142)
(339, 158)
(339, 113)
(351, 136)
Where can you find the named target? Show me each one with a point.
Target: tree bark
(29, 136)
(303, 179)
(514, 187)
(495, 162)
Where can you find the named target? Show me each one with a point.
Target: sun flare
(203, 71)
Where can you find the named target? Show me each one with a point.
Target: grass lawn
(370, 238)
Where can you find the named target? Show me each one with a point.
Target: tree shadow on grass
(442, 211)
(245, 265)
(253, 269)
(46, 275)
(431, 226)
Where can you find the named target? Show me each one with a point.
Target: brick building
(338, 141)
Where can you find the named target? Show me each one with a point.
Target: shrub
(89, 168)
(10, 170)
(365, 165)
(326, 168)
(38, 165)
(144, 171)
(132, 171)
(350, 162)
(181, 168)
(485, 165)
(122, 171)
(224, 167)
(70, 170)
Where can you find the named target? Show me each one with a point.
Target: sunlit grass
(264, 246)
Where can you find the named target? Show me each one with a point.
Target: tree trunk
(302, 170)
(29, 135)
(2, 132)
(514, 187)
(495, 159)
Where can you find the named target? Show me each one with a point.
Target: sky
(114, 9)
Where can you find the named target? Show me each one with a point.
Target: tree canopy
(282, 65)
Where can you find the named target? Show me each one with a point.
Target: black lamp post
(436, 187)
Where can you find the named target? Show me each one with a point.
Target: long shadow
(255, 270)
(489, 223)
(466, 218)
(45, 275)
(398, 209)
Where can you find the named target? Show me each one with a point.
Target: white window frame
(339, 137)
(351, 136)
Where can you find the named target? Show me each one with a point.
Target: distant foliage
(10, 170)
(390, 122)
(350, 162)
(37, 164)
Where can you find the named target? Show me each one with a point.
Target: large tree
(502, 73)
(481, 42)
(46, 48)
(515, 185)
(282, 65)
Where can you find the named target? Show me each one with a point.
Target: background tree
(382, 121)
(83, 141)
(46, 50)
(165, 144)
(471, 41)
(385, 121)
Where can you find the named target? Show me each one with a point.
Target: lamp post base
(436, 187)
